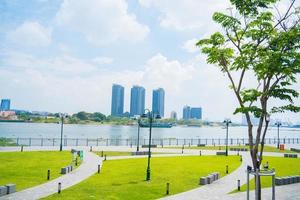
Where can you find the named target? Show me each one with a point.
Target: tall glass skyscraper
(137, 100)
(5, 105)
(158, 101)
(196, 113)
(117, 100)
(186, 114)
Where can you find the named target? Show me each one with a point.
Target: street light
(278, 124)
(62, 116)
(227, 122)
(138, 139)
(150, 115)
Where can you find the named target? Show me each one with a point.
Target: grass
(28, 169)
(266, 148)
(283, 167)
(123, 153)
(7, 142)
(125, 179)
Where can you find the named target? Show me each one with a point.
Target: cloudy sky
(64, 55)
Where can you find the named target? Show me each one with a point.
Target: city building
(5, 105)
(117, 100)
(196, 113)
(137, 100)
(186, 114)
(192, 113)
(158, 102)
(173, 115)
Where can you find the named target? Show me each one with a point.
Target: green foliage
(258, 43)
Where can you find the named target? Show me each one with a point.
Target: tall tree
(258, 42)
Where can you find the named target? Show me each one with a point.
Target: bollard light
(241, 158)
(22, 148)
(104, 157)
(59, 188)
(102, 154)
(226, 169)
(48, 174)
(98, 169)
(239, 185)
(200, 153)
(76, 161)
(168, 189)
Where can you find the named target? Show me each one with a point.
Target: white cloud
(190, 45)
(186, 15)
(31, 34)
(101, 21)
(103, 60)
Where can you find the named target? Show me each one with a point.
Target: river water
(43, 130)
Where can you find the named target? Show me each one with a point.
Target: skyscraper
(173, 115)
(158, 102)
(117, 100)
(137, 100)
(186, 114)
(5, 105)
(196, 113)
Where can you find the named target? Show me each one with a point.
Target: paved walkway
(88, 167)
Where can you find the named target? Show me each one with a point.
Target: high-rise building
(137, 100)
(196, 113)
(117, 100)
(173, 115)
(186, 114)
(5, 105)
(158, 102)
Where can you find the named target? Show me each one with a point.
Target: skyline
(55, 55)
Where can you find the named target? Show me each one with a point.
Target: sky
(64, 55)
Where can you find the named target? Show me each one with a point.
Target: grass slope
(27, 169)
(125, 179)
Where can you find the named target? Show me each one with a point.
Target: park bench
(139, 153)
(287, 180)
(147, 146)
(200, 145)
(289, 155)
(296, 150)
(221, 153)
(66, 169)
(209, 179)
(238, 149)
(7, 189)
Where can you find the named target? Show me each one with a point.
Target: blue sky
(64, 55)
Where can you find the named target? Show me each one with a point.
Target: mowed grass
(27, 169)
(125, 179)
(283, 167)
(266, 148)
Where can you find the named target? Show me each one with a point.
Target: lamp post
(278, 124)
(138, 139)
(62, 116)
(227, 122)
(150, 116)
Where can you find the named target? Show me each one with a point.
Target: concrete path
(88, 167)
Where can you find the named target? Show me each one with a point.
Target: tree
(82, 115)
(259, 42)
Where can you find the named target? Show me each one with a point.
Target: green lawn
(266, 148)
(122, 153)
(283, 167)
(125, 179)
(27, 169)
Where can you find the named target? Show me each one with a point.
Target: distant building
(158, 102)
(5, 105)
(117, 100)
(191, 113)
(137, 100)
(196, 113)
(173, 115)
(186, 114)
(9, 115)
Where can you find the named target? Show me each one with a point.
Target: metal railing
(133, 142)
